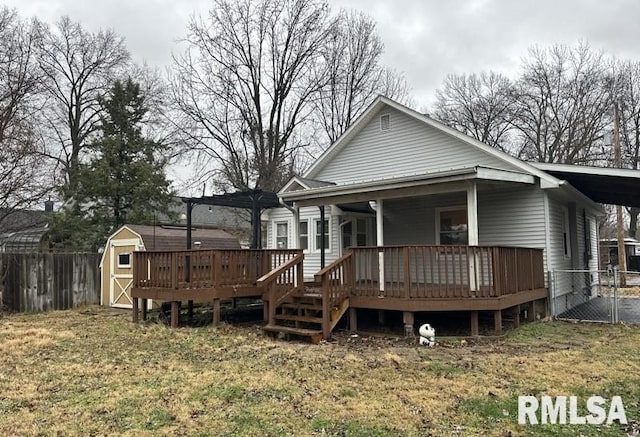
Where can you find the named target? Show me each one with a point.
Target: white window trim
(124, 266)
(308, 249)
(275, 232)
(386, 114)
(565, 229)
(313, 247)
(444, 209)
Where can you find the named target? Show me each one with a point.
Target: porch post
(472, 233)
(472, 213)
(296, 227)
(380, 241)
(322, 232)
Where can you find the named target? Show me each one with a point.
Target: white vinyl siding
(408, 147)
(309, 214)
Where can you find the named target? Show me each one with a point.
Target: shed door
(121, 272)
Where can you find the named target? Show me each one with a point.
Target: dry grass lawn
(92, 372)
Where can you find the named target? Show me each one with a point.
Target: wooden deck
(415, 278)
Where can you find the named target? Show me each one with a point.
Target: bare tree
(563, 105)
(354, 75)
(78, 67)
(244, 85)
(482, 106)
(21, 172)
(628, 100)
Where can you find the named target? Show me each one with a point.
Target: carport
(613, 186)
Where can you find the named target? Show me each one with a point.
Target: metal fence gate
(608, 296)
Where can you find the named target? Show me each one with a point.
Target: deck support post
(175, 313)
(497, 320)
(475, 326)
(265, 310)
(381, 317)
(190, 310)
(408, 320)
(144, 309)
(216, 312)
(516, 316)
(134, 306)
(353, 319)
(531, 311)
(380, 242)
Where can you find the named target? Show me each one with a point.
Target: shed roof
(175, 238)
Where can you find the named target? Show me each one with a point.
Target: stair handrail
(334, 294)
(269, 283)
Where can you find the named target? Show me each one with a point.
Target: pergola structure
(254, 200)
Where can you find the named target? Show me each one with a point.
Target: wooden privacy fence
(48, 281)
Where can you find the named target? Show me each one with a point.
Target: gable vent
(385, 122)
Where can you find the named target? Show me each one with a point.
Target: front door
(121, 273)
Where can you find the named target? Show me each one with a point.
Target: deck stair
(301, 316)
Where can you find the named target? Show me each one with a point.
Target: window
(385, 122)
(361, 232)
(282, 235)
(566, 243)
(347, 233)
(319, 234)
(452, 226)
(304, 235)
(587, 238)
(124, 260)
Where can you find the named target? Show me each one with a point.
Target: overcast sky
(425, 39)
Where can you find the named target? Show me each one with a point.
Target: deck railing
(445, 271)
(205, 268)
(280, 282)
(336, 281)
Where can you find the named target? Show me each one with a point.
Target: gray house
(398, 177)
(436, 220)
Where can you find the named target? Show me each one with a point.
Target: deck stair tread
(297, 318)
(293, 330)
(302, 306)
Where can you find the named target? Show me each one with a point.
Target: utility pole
(622, 255)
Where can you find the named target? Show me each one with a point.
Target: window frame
(275, 233)
(316, 246)
(439, 211)
(307, 235)
(124, 266)
(565, 232)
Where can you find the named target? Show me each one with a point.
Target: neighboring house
(25, 230)
(609, 253)
(458, 225)
(236, 222)
(117, 260)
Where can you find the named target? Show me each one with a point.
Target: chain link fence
(607, 296)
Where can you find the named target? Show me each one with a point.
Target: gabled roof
(546, 180)
(305, 183)
(175, 238)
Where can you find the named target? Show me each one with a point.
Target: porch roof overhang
(614, 186)
(406, 186)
